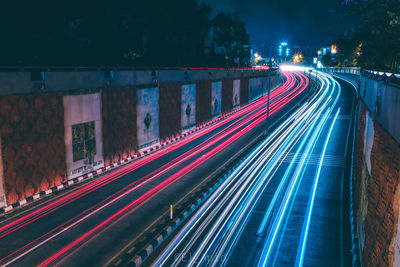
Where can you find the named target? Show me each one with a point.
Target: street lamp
(333, 49)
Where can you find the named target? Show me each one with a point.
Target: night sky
(301, 22)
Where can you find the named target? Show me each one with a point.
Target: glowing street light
(257, 58)
(333, 49)
(297, 58)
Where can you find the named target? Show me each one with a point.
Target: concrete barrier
(383, 100)
(376, 192)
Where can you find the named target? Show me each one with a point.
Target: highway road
(94, 222)
(286, 204)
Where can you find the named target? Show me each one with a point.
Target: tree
(231, 37)
(108, 33)
(375, 36)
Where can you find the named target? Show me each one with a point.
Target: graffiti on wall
(216, 98)
(147, 117)
(83, 141)
(188, 106)
(83, 134)
(236, 94)
(368, 141)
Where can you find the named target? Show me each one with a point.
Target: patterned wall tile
(169, 110)
(227, 95)
(244, 91)
(119, 123)
(203, 102)
(33, 151)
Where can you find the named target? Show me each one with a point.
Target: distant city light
(257, 58)
(333, 49)
(281, 47)
(297, 58)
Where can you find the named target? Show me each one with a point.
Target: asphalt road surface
(286, 204)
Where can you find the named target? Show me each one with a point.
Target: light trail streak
(277, 94)
(145, 197)
(221, 190)
(45, 210)
(117, 196)
(284, 206)
(232, 228)
(306, 225)
(232, 216)
(261, 229)
(285, 202)
(181, 235)
(158, 188)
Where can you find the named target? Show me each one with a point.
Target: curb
(96, 173)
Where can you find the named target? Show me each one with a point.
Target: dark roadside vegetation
(133, 33)
(372, 38)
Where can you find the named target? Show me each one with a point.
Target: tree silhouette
(231, 37)
(107, 33)
(375, 34)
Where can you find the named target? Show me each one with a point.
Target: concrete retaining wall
(354, 71)
(376, 176)
(55, 126)
(32, 144)
(376, 191)
(383, 99)
(377, 172)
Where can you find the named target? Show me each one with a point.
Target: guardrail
(40, 79)
(354, 71)
(120, 68)
(387, 77)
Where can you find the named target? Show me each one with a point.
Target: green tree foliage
(105, 33)
(375, 35)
